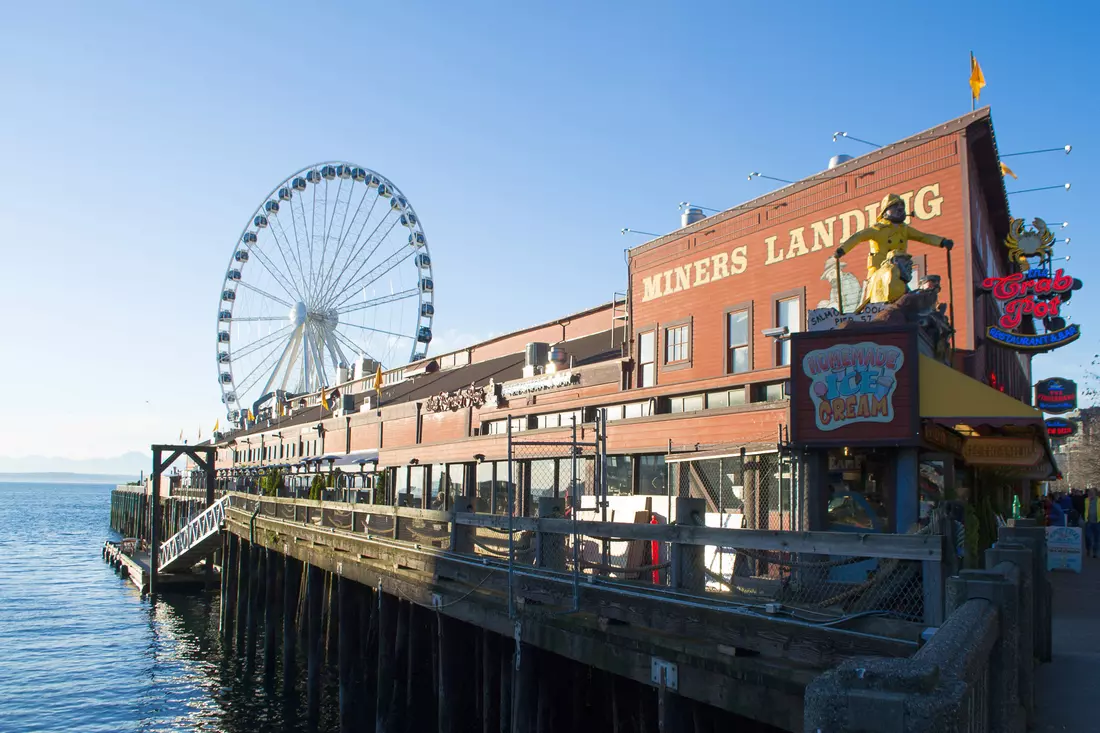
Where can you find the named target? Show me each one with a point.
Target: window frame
(665, 364)
(745, 306)
(798, 294)
(653, 329)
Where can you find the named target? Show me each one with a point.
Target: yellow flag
(324, 398)
(216, 424)
(1006, 171)
(977, 78)
(181, 436)
(251, 417)
(378, 380)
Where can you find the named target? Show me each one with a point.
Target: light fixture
(414, 461)
(1064, 149)
(1041, 188)
(846, 135)
(756, 174)
(479, 457)
(628, 230)
(779, 332)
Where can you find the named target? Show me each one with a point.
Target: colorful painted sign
(853, 383)
(1056, 395)
(1064, 548)
(1059, 427)
(1036, 295)
(855, 387)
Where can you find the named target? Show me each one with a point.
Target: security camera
(777, 332)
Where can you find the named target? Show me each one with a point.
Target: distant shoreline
(65, 477)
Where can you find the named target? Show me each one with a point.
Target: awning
(951, 398)
(353, 458)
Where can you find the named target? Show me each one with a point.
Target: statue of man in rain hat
(889, 265)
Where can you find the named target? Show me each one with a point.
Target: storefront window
(400, 485)
(439, 487)
(484, 487)
(456, 473)
(500, 487)
(620, 477)
(417, 484)
(652, 477)
(542, 481)
(857, 486)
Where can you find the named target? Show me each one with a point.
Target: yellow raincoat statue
(889, 265)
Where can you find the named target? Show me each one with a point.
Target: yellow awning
(951, 398)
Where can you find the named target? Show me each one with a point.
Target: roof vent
(691, 215)
(837, 160)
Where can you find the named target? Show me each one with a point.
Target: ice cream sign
(852, 383)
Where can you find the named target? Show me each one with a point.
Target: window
(738, 341)
(438, 487)
(652, 477)
(500, 493)
(456, 472)
(686, 403)
(677, 343)
(773, 392)
(566, 484)
(559, 419)
(620, 479)
(542, 480)
(484, 487)
(401, 486)
(647, 359)
(417, 484)
(500, 427)
(788, 312)
(632, 409)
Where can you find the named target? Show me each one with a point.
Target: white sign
(1064, 548)
(826, 319)
(853, 383)
(538, 384)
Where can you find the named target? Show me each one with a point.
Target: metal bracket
(664, 674)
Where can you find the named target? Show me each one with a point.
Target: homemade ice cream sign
(853, 383)
(855, 387)
(1056, 395)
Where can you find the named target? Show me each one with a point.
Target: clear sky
(136, 138)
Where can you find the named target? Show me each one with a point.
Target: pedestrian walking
(1092, 525)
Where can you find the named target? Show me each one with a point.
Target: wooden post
(507, 665)
(154, 529)
(241, 624)
(255, 594)
(418, 693)
(550, 547)
(315, 598)
(525, 691)
(398, 714)
(271, 610)
(292, 571)
(368, 624)
(210, 478)
(688, 568)
(490, 683)
(332, 618)
(387, 633)
(448, 683)
(346, 649)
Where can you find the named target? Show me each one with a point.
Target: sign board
(1064, 548)
(855, 387)
(826, 319)
(1059, 427)
(1036, 295)
(996, 451)
(1056, 395)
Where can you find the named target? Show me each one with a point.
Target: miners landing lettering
(853, 383)
(1024, 294)
(925, 203)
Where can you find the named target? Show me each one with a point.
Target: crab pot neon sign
(1037, 295)
(1059, 427)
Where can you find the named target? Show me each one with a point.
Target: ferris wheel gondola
(332, 267)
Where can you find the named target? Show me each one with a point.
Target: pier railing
(804, 575)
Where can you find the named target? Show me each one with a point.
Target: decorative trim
(471, 396)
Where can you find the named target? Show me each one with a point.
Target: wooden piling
(271, 613)
(421, 716)
(255, 593)
(490, 681)
(348, 659)
(507, 665)
(315, 597)
(229, 586)
(241, 618)
(368, 638)
(398, 713)
(387, 633)
(292, 573)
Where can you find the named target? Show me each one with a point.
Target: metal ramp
(195, 541)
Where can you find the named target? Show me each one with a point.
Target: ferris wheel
(331, 268)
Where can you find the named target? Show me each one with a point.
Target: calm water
(80, 650)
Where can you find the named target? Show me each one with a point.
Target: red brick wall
(796, 260)
(651, 435)
(399, 432)
(364, 436)
(440, 426)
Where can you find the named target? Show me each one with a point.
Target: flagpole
(973, 99)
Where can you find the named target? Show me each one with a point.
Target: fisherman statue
(889, 264)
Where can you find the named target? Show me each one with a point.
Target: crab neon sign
(1034, 295)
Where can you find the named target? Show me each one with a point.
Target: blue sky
(137, 138)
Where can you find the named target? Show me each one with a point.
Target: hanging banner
(1056, 395)
(1059, 427)
(1035, 295)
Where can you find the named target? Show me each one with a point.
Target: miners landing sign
(855, 388)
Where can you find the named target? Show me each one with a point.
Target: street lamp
(756, 174)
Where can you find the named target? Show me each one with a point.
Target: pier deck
(135, 567)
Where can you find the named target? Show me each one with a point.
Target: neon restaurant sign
(1056, 395)
(1059, 427)
(1035, 295)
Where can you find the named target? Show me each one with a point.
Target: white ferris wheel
(332, 267)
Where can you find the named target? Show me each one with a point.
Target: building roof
(985, 154)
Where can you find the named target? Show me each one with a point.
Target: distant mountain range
(129, 465)
(66, 478)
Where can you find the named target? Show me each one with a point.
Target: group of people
(1075, 508)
